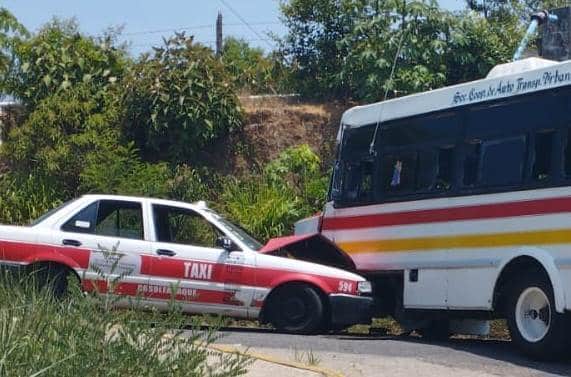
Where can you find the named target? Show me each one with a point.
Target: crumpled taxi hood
(311, 248)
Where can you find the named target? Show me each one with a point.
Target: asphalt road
(474, 356)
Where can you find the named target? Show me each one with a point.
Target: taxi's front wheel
(296, 308)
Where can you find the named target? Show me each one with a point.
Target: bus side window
(445, 173)
(503, 161)
(399, 172)
(358, 182)
(542, 156)
(567, 154)
(472, 162)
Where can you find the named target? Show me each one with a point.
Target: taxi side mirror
(225, 243)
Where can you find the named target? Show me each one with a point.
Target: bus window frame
(561, 125)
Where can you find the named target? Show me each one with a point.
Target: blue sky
(145, 21)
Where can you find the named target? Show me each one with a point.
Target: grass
(77, 336)
(307, 357)
(390, 327)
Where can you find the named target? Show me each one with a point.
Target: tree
(11, 31)
(508, 10)
(251, 70)
(54, 142)
(58, 58)
(311, 45)
(362, 49)
(178, 99)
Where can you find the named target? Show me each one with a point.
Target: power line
(245, 22)
(195, 27)
(209, 42)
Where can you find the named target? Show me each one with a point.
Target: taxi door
(188, 263)
(112, 234)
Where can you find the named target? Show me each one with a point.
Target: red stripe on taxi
(25, 252)
(165, 292)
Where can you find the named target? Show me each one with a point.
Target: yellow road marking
(550, 237)
(270, 359)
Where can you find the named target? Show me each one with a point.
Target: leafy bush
(291, 187)
(264, 209)
(190, 185)
(58, 58)
(11, 32)
(178, 100)
(118, 169)
(25, 198)
(299, 168)
(253, 71)
(83, 336)
(54, 142)
(346, 48)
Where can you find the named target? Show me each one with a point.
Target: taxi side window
(108, 218)
(183, 226)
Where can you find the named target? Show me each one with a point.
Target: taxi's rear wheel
(54, 278)
(296, 308)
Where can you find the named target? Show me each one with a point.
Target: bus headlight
(364, 287)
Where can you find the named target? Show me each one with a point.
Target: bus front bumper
(350, 310)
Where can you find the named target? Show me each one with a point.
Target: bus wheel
(297, 308)
(535, 327)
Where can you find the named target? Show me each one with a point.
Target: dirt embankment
(272, 125)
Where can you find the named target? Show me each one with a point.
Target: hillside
(272, 125)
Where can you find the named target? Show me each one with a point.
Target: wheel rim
(533, 314)
(294, 310)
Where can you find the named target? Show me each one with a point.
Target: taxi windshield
(240, 233)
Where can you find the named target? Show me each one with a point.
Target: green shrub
(56, 138)
(58, 58)
(264, 209)
(289, 188)
(118, 169)
(82, 336)
(190, 185)
(299, 169)
(24, 198)
(177, 100)
(251, 70)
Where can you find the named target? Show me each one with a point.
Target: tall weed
(78, 336)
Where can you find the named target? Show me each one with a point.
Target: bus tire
(535, 327)
(297, 308)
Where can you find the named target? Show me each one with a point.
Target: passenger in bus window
(395, 181)
(398, 172)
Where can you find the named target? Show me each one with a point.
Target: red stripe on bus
(474, 212)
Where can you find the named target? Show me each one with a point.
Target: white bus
(456, 203)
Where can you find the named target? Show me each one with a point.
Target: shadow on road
(402, 345)
(500, 350)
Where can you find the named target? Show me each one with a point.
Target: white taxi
(155, 249)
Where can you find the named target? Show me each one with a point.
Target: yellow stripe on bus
(549, 237)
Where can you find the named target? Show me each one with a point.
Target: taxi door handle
(168, 253)
(75, 243)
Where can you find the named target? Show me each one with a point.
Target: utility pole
(219, 34)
